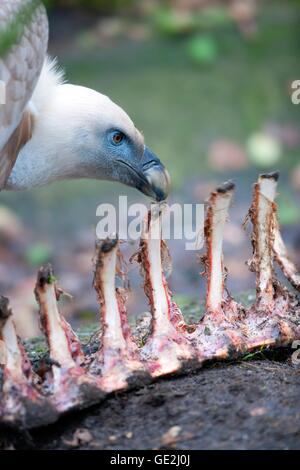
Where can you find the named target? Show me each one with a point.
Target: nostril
(149, 164)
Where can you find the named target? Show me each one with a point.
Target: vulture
(51, 130)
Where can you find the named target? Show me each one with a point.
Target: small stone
(84, 435)
(259, 411)
(80, 436)
(171, 436)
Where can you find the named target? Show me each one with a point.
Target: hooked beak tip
(159, 182)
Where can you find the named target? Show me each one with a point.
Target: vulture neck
(50, 155)
(44, 145)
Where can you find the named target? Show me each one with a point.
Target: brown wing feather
(19, 69)
(17, 140)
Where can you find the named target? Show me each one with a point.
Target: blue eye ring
(118, 137)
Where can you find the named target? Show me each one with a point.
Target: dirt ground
(248, 405)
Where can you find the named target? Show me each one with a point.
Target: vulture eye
(118, 137)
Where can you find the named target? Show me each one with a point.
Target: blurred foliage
(203, 49)
(183, 109)
(103, 6)
(38, 254)
(170, 23)
(288, 208)
(174, 23)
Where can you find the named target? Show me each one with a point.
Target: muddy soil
(247, 405)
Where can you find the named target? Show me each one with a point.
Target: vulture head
(77, 132)
(105, 144)
(51, 130)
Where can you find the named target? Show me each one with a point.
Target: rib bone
(21, 402)
(166, 349)
(274, 318)
(118, 357)
(262, 214)
(218, 334)
(68, 382)
(281, 256)
(217, 215)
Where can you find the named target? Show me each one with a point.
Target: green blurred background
(209, 84)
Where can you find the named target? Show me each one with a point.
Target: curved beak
(156, 178)
(148, 175)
